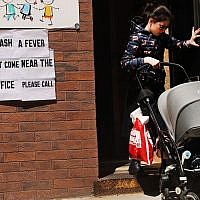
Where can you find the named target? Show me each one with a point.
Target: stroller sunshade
(180, 110)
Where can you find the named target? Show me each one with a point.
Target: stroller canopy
(180, 110)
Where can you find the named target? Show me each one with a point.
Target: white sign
(27, 71)
(8, 90)
(27, 90)
(42, 67)
(39, 13)
(24, 43)
(37, 89)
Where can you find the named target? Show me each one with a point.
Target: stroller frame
(173, 177)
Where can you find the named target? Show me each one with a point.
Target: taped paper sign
(24, 43)
(27, 90)
(27, 70)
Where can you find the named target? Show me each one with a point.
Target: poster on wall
(27, 72)
(24, 43)
(39, 13)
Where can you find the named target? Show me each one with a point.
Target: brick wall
(48, 149)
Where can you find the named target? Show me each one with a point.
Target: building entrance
(111, 31)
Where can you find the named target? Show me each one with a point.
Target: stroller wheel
(191, 196)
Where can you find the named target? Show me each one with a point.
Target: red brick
(9, 127)
(52, 194)
(18, 137)
(85, 7)
(60, 95)
(19, 156)
(55, 36)
(67, 164)
(85, 17)
(86, 65)
(82, 46)
(78, 56)
(52, 174)
(34, 126)
(7, 109)
(10, 186)
(51, 135)
(67, 86)
(2, 157)
(90, 162)
(50, 116)
(83, 172)
(73, 183)
(64, 46)
(81, 115)
(85, 153)
(86, 26)
(31, 107)
(37, 185)
(65, 125)
(17, 117)
(10, 167)
(70, 144)
(88, 124)
(88, 105)
(85, 37)
(35, 165)
(89, 144)
(64, 105)
(70, 36)
(67, 66)
(58, 56)
(87, 85)
(20, 195)
(81, 191)
(8, 147)
(81, 134)
(82, 75)
(20, 176)
(60, 77)
(3, 178)
(80, 96)
(84, 1)
(35, 146)
(52, 155)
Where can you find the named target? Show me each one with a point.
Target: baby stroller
(179, 142)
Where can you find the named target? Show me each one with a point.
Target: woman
(146, 45)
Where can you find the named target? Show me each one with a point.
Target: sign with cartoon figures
(39, 14)
(27, 70)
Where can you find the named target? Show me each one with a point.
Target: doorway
(111, 21)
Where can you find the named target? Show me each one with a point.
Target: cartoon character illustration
(26, 9)
(48, 10)
(10, 9)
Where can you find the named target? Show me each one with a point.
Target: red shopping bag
(140, 143)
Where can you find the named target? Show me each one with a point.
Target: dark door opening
(111, 30)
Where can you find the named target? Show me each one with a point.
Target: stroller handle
(170, 64)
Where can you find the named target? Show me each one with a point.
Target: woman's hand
(195, 34)
(152, 61)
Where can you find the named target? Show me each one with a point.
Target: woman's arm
(131, 59)
(171, 42)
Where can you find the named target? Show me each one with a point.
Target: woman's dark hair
(157, 12)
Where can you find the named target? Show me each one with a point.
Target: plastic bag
(140, 143)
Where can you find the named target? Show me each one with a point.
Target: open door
(111, 21)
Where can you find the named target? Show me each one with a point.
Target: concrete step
(120, 181)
